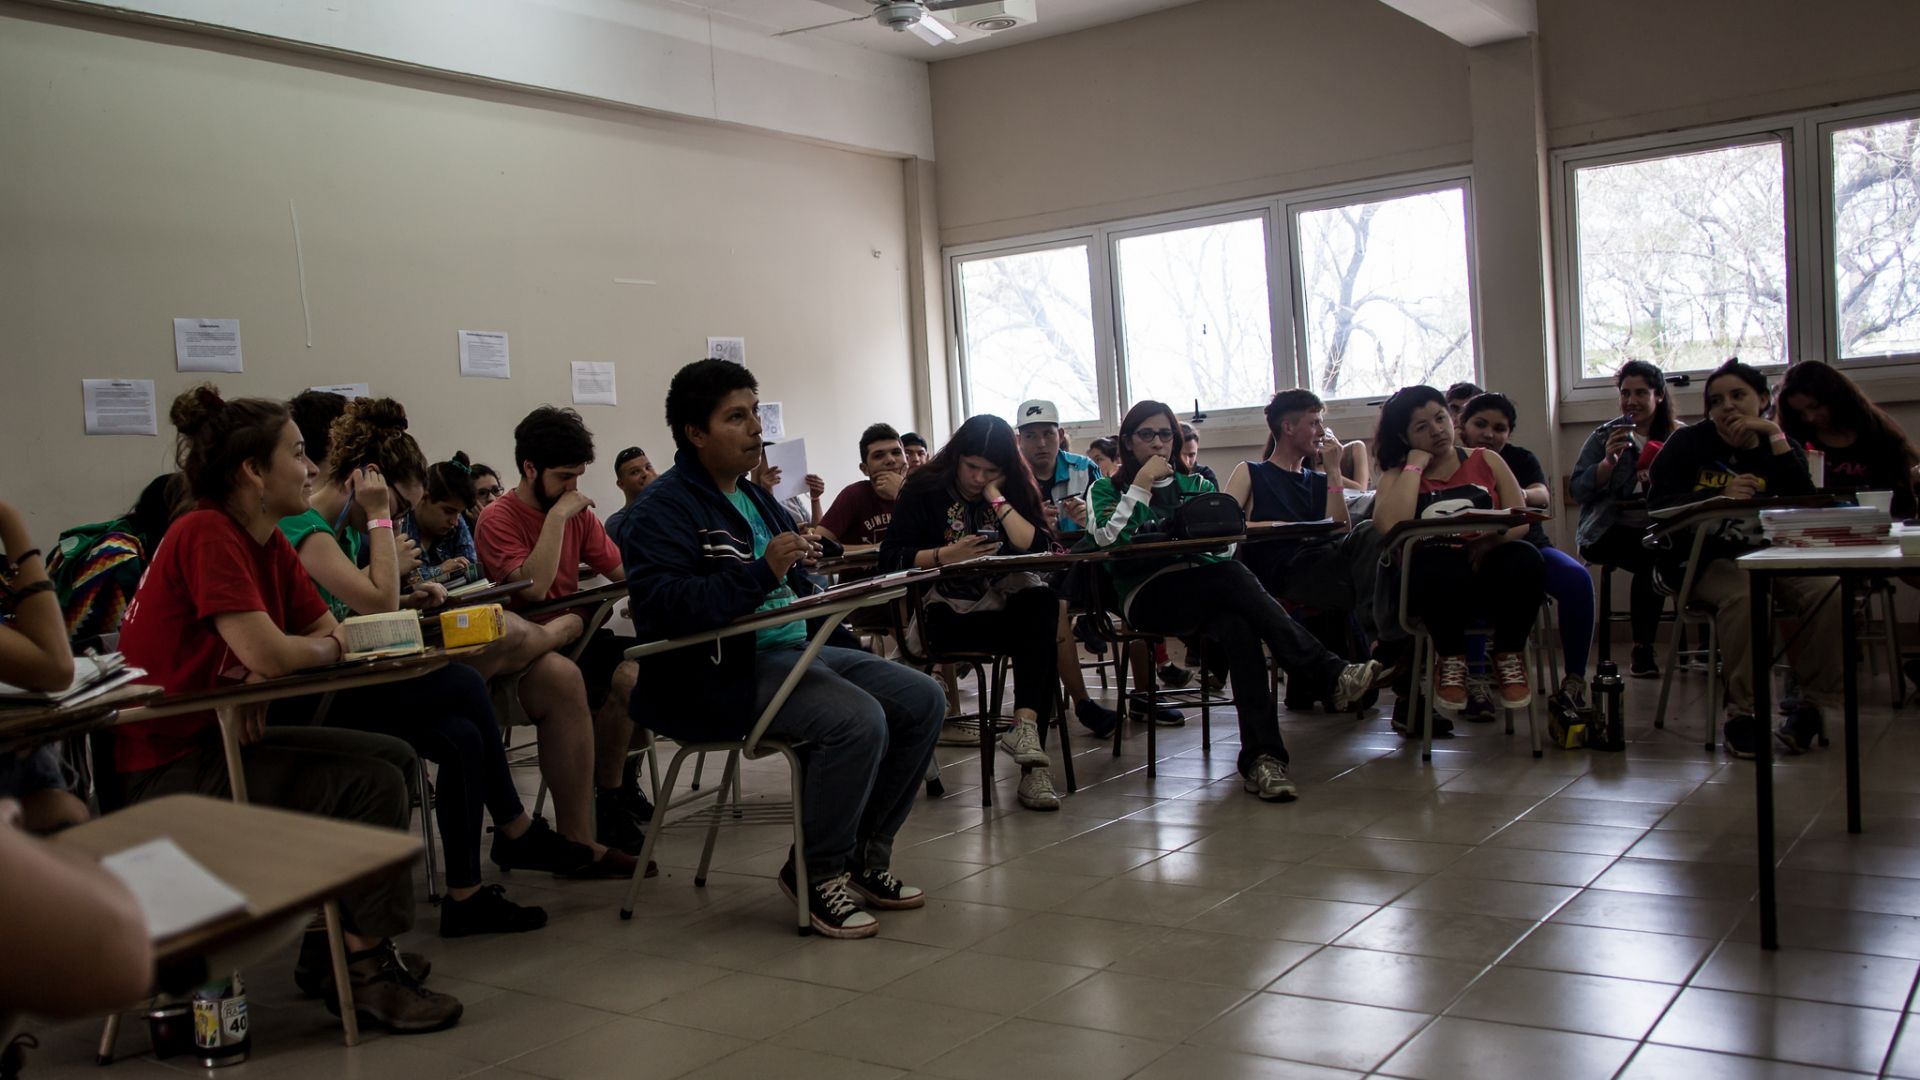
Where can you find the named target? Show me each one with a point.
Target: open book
(92, 676)
(469, 588)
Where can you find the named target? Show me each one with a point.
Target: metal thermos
(220, 1023)
(1608, 690)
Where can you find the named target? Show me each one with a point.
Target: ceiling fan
(910, 16)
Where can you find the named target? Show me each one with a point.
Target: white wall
(147, 175)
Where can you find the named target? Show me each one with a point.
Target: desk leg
(1760, 589)
(1850, 697)
(230, 723)
(342, 988)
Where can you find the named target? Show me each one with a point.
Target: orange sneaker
(1510, 679)
(1450, 683)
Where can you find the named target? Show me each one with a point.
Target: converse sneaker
(1269, 780)
(488, 911)
(880, 889)
(960, 731)
(1450, 683)
(1353, 684)
(1510, 679)
(830, 908)
(1036, 790)
(1023, 742)
(1096, 717)
(386, 994)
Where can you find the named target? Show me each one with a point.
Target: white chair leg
(660, 808)
(109, 1032)
(727, 779)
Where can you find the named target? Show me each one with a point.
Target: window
(1876, 238)
(1384, 299)
(1682, 259)
(1026, 323)
(1195, 315)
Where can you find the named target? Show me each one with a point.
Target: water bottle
(1610, 733)
(220, 1035)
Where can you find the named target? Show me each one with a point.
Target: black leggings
(447, 717)
(1226, 603)
(1449, 594)
(1621, 547)
(1022, 630)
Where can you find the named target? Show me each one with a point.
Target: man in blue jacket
(703, 548)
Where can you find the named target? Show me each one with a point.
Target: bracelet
(936, 556)
(24, 591)
(1778, 437)
(1004, 514)
(1414, 469)
(30, 553)
(379, 523)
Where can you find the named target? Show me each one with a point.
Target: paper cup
(1879, 500)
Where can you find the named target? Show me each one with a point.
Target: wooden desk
(1849, 564)
(493, 594)
(26, 726)
(285, 864)
(606, 594)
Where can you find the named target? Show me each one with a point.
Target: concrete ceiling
(1056, 17)
(1474, 22)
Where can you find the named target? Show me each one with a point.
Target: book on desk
(92, 676)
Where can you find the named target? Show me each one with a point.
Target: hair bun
(461, 459)
(195, 408)
(380, 413)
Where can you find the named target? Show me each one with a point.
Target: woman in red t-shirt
(226, 600)
(1495, 578)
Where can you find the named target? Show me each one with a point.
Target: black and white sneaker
(830, 907)
(880, 889)
(1741, 734)
(1173, 676)
(1096, 717)
(1643, 665)
(1802, 728)
(1353, 683)
(1164, 715)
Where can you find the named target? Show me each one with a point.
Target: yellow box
(472, 625)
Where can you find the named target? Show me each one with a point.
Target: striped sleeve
(1115, 515)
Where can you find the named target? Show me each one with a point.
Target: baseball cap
(627, 455)
(1036, 411)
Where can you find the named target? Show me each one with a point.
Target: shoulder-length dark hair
(1390, 444)
(989, 437)
(1847, 409)
(1136, 419)
(1661, 425)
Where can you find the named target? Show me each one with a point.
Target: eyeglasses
(1154, 434)
(493, 492)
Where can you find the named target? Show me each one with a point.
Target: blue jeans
(869, 726)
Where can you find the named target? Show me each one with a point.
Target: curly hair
(373, 431)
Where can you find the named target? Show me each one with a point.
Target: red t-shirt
(206, 566)
(509, 529)
(858, 515)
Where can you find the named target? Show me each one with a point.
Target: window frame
(1807, 198)
(1284, 294)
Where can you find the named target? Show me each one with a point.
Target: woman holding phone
(977, 497)
(1610, 482)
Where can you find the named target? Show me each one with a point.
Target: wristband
(379, 523)
(1336, 489)
(997, 502)
(43, 585)
(1414, 469)
(1778, 437)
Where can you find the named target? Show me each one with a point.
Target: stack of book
(1839, 526)
(92, 676)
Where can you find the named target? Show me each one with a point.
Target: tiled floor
(1485, 916)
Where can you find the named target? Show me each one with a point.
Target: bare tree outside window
(1194, 305)
(1876, 238)
(1029, 332)
(1683, 259)
(1385, 295)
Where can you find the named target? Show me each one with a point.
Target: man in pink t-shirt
(540, 531)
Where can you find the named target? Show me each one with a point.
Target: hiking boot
(1353, 684)
(1741, 734)
(539, 848)
(1164, 715)
(830, 908)
(1802, 728)
(1096, 717)
(1510, 679)
(1643, 665)
(387, 995)
(1036, 790)
(1269, 780)
(880, 889)
(1173, 676)
(313, 971)
(1450, 683)
(960, 731)
(614, 824)
(488, 912)
(1023, 742)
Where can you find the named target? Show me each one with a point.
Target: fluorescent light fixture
(931, 30)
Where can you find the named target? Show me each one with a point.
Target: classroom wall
(1197, 104)
(147, 174)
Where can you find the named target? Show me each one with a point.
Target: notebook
(174, 892)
